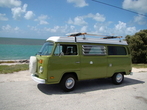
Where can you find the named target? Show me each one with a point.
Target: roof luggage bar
(104, 37)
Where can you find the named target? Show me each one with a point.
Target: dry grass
(4, 69)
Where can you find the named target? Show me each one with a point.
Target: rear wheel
(118, 78)
(68, 82)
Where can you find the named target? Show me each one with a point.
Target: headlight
(40, 69)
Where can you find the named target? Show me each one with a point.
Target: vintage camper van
(66, 60)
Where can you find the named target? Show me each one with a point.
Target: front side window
(64, 49)
(46, 48)
(94, 50)
(116, 50)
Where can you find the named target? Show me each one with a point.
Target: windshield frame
(46, 49)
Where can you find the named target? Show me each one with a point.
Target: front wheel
(68, 82)
(118, 78)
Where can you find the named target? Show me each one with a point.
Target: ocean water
(17, 48)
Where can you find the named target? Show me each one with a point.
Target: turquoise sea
(19, 48)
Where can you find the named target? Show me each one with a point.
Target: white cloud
(43, 22)
(122, 29)
(10, 3)
(42, 19)
(72, 27)
(58, 29)
(120, 26)
(97, 17)
(103, 28)
(3, 18)
(78, 3)
(33, 28)
(119, 29)
(29, 15)
(84, 29)
(139, 6)
(80, 20)
(18, 11)
(16, 28)
(77, 21)
(140, 20)
(8, 28)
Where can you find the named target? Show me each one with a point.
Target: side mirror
(61, 54)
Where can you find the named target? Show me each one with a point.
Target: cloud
(58, 29)
(33, 28)
(16, 28)
(10, 3)
(119, 29)
(29, 15)
(139, 6)
(84, 29)
(80, 20)
(18, 11)
(97, 17)
(78, 3)
(103, 28)
(42, 19)
(77, 21)
(8, 28)
(140, 20)
(122, 29)
(3, 18)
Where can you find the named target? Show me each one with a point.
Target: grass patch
(4, 69)
(139, 65)
(7, 61)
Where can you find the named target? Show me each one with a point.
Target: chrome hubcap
(119, 77)
(70, 82)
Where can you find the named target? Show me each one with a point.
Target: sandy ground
(19, 92)
(25, 75)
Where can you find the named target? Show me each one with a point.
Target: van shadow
(87, 86)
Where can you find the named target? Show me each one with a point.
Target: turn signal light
(40, 61)
(52, 77)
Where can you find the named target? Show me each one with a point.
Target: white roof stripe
(87, 40)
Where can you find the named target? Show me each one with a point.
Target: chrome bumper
(39, 80)
(131, 73)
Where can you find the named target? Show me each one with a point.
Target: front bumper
(39, 80)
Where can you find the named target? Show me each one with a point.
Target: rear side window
(116, 50)
(94, 50)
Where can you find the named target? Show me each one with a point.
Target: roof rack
(104, 37)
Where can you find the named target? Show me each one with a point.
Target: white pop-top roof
(87, 40)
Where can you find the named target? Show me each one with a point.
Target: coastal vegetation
(139, 65)
(4, 69)
(138, 46)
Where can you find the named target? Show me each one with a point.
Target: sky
(41, 19)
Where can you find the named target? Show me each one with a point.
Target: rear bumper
(131, 73)
(39, 80)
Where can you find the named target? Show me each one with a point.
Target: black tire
(68, 82)
(117, 78)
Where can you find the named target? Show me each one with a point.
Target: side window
(116, 50)
(58, 50)
(64, 49)
(94, 50)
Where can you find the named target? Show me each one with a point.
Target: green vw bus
(66, 60)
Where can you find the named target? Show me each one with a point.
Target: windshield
(46, 48)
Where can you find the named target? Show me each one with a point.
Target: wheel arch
(123, 72)
(67, 73)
